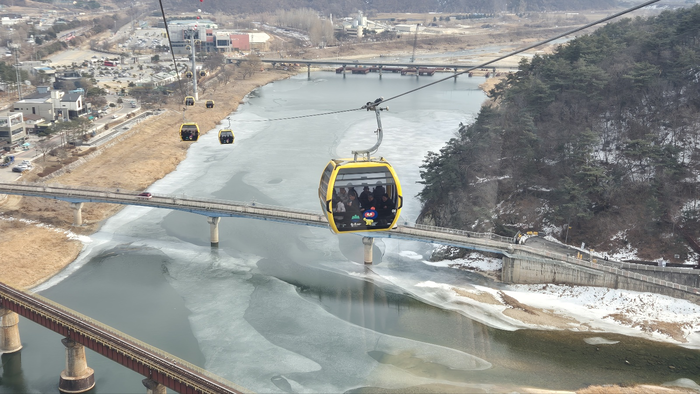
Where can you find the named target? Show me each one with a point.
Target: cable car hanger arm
(377, 110)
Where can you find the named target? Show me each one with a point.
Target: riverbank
(45, 241)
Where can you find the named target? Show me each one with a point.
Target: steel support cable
(300, 116)
(366, 106)
(170, 43)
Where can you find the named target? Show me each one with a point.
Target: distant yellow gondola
(189, 132)
(189, 100)
(361, 178)
(210, 104)
(188, 74)
(226, 136)
(202, 73)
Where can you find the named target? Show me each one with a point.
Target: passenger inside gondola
(368, 203)
(378, 191)
(352, 209)
(385, 210)
(365, 194)
(343, 195)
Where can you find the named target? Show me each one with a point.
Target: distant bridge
(379, 67)
(346, 62)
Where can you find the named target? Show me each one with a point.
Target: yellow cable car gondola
(189, 132)
(202, 73)
(189, 74)
(226, 136)
(189, 100)
(210, 104)
(348, 211)
(378, 206)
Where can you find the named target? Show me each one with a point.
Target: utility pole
(194, 65)
(19, 86)
(415, 41)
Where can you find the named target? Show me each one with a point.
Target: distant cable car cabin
(378, 176)
(210, 104)
(189, 132)
(189, 74)
(226, 136)
(189, 100)
(202, 73)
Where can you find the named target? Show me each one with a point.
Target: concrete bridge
(521, 263)
(379, 66)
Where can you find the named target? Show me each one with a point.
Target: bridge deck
(486, 242)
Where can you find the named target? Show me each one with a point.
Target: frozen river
(284, 308)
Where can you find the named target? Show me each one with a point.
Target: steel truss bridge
(153, 363)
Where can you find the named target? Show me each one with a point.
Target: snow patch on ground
(473, 261)
(599, 341)
(69, 234)
(647, 315)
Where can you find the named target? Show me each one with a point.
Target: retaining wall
(521, 268)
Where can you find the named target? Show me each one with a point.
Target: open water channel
(282, 308)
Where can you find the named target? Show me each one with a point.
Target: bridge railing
(175, 198)
(465, 233)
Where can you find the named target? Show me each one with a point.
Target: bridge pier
(214, 230)
(77, 377)
(153, 387)
(380, 72)
(368, 243)
(77, 213)
(308, 70)
(455, 74)
(343, 71)
(9, 331)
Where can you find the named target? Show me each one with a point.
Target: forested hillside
(343, 8)
(602, 135)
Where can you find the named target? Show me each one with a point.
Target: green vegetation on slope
(602, 135)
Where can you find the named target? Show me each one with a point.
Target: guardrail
(470, 234)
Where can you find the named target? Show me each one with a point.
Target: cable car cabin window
(363, 212)
(323, 186)
(226, 137)
(189, 132)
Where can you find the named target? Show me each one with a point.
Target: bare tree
(45, 146)
(250, 66)
(228, 72)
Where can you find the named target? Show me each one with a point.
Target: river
(283, 308)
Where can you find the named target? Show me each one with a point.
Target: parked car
(145, 195)
(20, 168)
